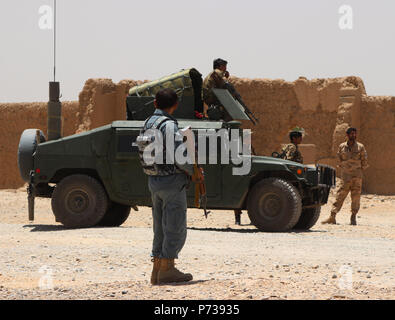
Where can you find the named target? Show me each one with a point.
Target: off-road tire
(115, 215)
(274, 205)
(27, 146)
(308, 218)
(79, 201)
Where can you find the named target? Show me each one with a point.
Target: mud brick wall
(14, 119)
(324, 107)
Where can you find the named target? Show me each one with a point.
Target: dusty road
(227, 261)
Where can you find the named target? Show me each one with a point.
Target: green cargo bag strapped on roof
(186, 83)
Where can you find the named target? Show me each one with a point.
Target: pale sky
(126, 39)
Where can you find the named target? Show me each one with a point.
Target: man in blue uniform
(167, 183)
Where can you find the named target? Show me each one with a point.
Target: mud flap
(31, 194)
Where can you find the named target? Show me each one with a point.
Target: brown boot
(353, 220)
(155, 270)
(331, 219)
(169, 273)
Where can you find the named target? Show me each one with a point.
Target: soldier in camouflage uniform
(291, 151)
(216, 79)
(353, 160)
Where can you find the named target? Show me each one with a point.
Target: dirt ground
(42, 260)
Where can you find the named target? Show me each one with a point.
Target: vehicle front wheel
(308, 218)
(116, 215)
(79, 201)
(274, 205)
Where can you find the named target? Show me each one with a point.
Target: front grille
(327, 175)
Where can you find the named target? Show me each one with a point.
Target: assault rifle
(198, 173)
(200, 190)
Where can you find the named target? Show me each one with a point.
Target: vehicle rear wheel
(274, 205)
(79, 201)
(115, 215)
(308, 218)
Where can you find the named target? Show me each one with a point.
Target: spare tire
(27, 146)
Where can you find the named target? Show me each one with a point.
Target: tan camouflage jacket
(216, 79)
(352, 160)
(292, 153)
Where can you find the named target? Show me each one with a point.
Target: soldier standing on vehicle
(167, 184)
(216, 79)
(353, 160)
(291, 151)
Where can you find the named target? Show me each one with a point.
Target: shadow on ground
(189, 283)
(49, 228)
(44, 227)
(251, 230)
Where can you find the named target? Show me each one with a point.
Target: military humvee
(94, 178)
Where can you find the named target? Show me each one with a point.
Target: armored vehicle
(94, 178)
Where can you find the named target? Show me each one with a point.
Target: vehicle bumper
(322, 179)
(318, 196)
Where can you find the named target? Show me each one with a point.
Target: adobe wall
(378, 134)
(324, 107)
(311, 104)
(102, 102)
(14, 119)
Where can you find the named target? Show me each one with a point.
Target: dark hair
(294, 134)
(349, 130)
(219, 62)
(166, 98)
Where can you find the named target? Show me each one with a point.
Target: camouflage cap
(298, 130)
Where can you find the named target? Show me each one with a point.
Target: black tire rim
(77, 201)
(270, 206)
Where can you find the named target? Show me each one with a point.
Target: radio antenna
(54, 42)
(54, 110)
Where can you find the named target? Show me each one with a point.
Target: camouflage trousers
(353, 185)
